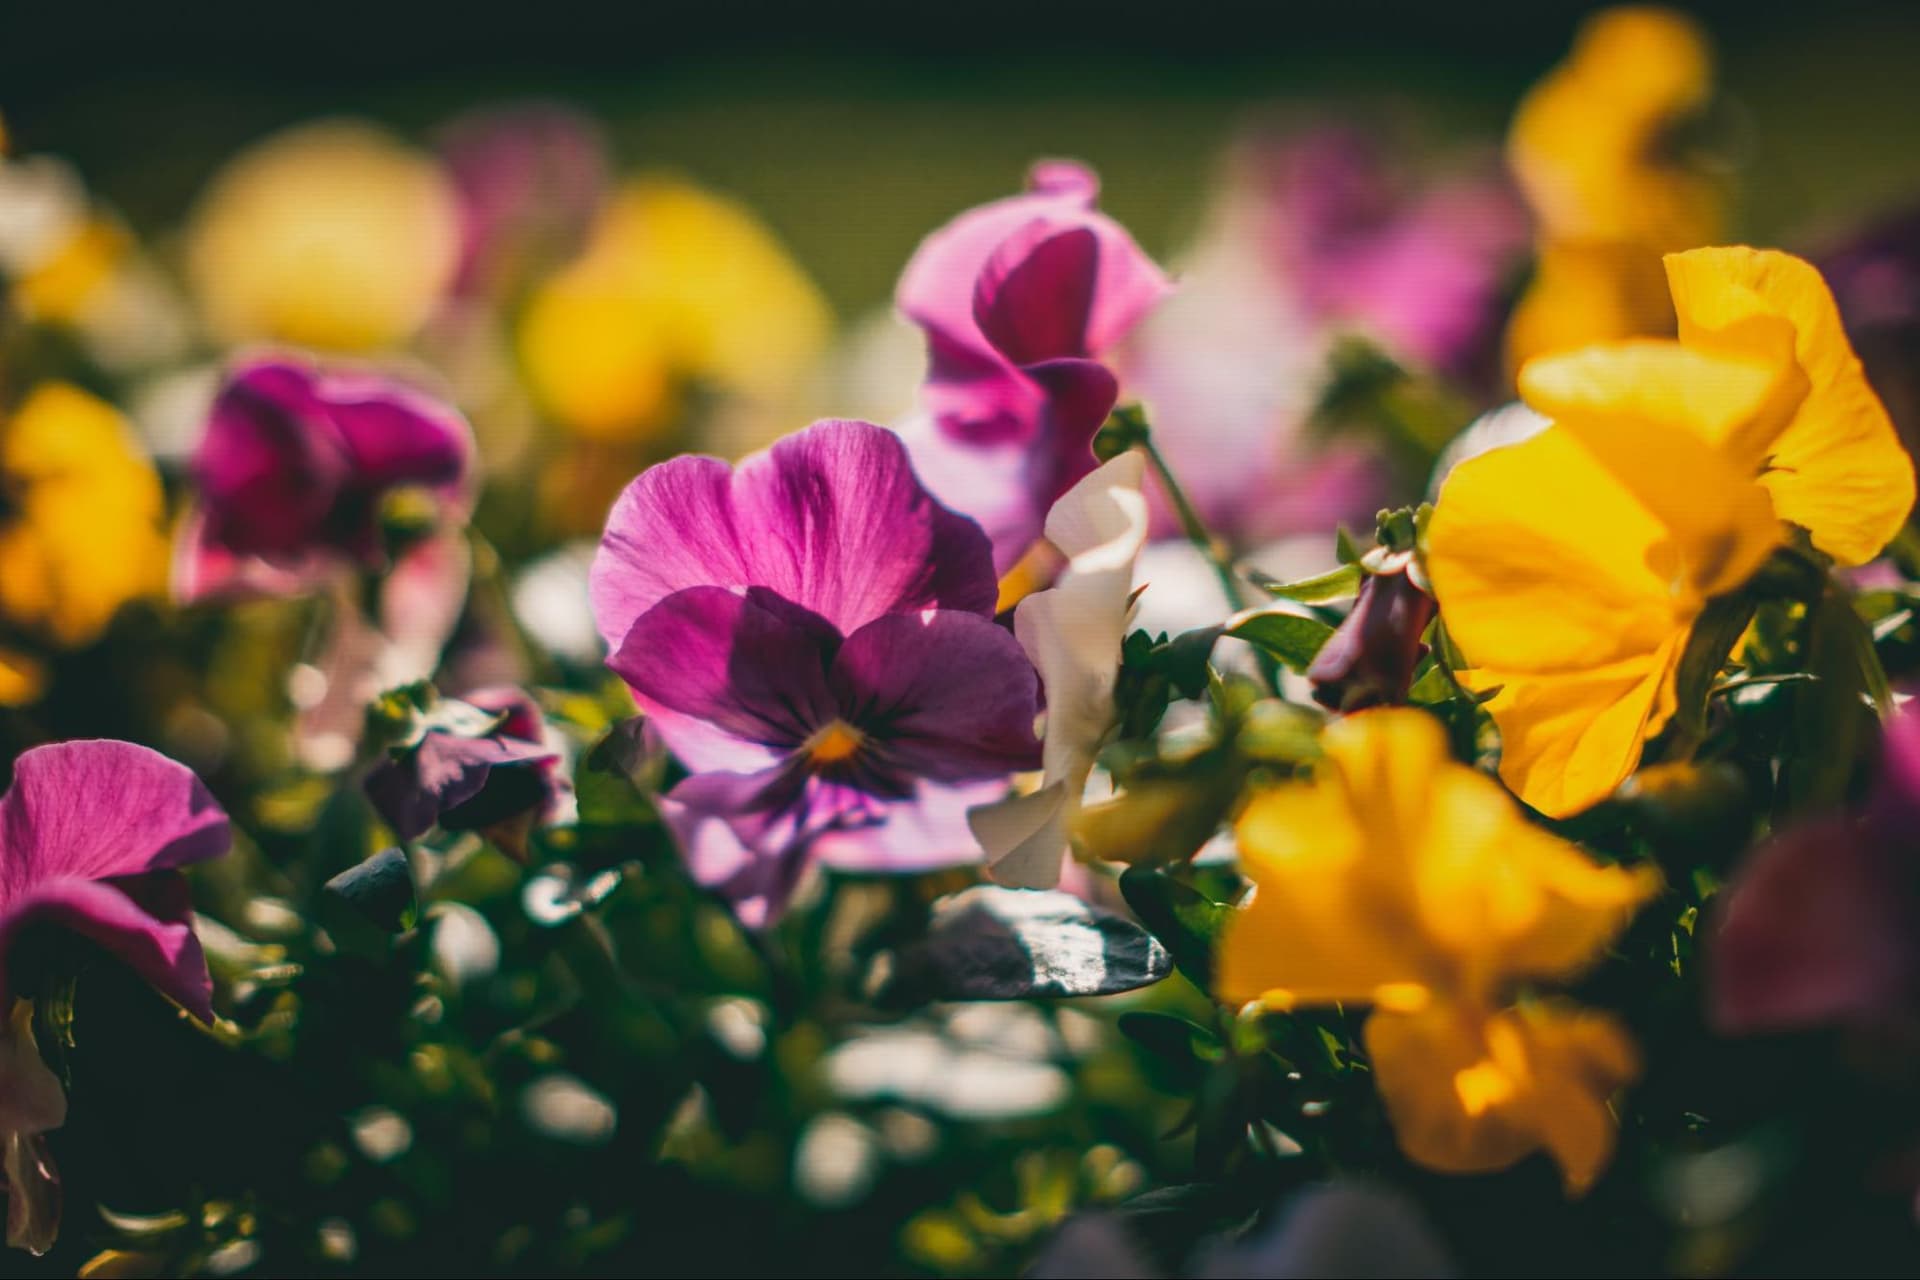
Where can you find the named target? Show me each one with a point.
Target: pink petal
(153, 936)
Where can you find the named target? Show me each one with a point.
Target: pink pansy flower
(92, 836)
(1822, 925)
(811, 635)
(1420, 268)
(528, 178)
(1022, 301)
(294, 470)
(482, 762)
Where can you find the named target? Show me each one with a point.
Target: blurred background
(853, 129)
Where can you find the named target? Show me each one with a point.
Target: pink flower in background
(294, 470)
(1421, 269)
(1822, 924)
(92, 836)
(811, 635)
(528, 179)
(1316, 236)
(1022, 301)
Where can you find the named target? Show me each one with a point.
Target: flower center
(832, 743)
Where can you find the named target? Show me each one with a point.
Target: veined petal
(732, 673)
(146, 921)
(97, 808)
(1837, 468)
(945, 696)
(1543, 562)
(1567, 739)
(1677, 429)
(832, 519)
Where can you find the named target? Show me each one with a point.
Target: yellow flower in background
(677, 286)
(1571, 568)
(1592, 147)
(1400, 878)
(81, 531)
(333, 235)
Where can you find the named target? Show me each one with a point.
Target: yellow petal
(1677, 429)
(1543, 562)
(1586, 291)
(1512, 898)
(1837, 468)
(22, 678)
(1585, 142)
(1469, 1091)
(1568, 739)
(1316, 929)
(333, 235)
(86, 537)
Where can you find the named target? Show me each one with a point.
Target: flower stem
(1196, 529)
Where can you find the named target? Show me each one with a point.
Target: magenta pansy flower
(482, 762)
(529, 178)
(1022, 300)
(811, 635)
(296, 465)
(1423, 268)
(1822, 924)
(92, 835)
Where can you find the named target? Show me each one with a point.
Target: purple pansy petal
(528, 178)
(271, 466)
(990, 482)
(831, 518)
(927, 833)
(153, 936)
(444, 771)
(752, 856)
(946, 696)
(395, 436)
(1813, 932)
(1894, 809)
(97, 808)
(756, 673)
(1033, 297)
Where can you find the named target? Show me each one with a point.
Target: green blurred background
(854, 129)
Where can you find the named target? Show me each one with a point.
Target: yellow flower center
(833, 743)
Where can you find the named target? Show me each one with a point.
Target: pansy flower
(1073, 632)
(1400, 878)
(92, 836)
(1821, 924)
(1571, 567)
(1594, 148)
(481, 762)
(334, 235)
(1022, 301)
(80, 526)
(811, 635)
(296, 470)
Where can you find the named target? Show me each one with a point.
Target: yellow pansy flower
(676, 285)
(333, 235)
(81, 530)
(1571, 568)
(1591, 149)
(1400, 878)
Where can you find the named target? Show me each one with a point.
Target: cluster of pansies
(1345, 750)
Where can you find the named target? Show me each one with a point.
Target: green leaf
(994, 943)
(1171, 1039)
(1831, 715)
(1292, 639)
(380, 890)
(1718, 628)
(1334, 584)
(1184, 919)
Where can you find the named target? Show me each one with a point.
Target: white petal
(1025, 837)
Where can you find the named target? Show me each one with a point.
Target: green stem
(1196, 529)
